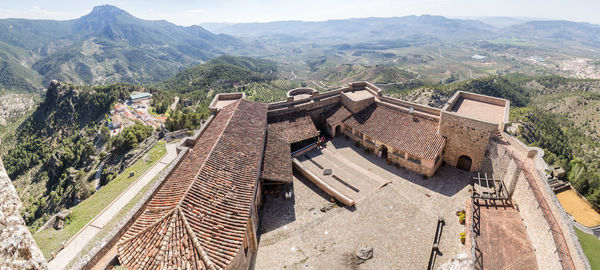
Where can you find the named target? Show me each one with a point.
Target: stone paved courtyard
(397, 219)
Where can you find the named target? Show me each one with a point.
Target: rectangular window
(414, 160)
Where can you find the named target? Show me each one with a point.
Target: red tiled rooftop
(277, 162)
(293, 127)
(336, 115)
(409, 133)
(197, 218)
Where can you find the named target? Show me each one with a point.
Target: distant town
(136, 108)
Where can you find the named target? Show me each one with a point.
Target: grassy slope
(591, 248)
(113, 222)
(50, 240)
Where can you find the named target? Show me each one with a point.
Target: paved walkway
(87, 233)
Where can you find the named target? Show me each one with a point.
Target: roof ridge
(165, 238)
(147, 227)
(205, 258)
(237, 104)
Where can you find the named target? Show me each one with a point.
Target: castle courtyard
(398, 219)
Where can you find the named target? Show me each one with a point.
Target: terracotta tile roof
(398, 129)
(277, 162)
(197, 219)
(337, 115)
(293, 127)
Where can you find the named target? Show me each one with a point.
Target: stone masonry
(18, 250)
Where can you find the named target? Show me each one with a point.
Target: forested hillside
(560, 115)
(196, 86)
(53, 153)
(107, 45)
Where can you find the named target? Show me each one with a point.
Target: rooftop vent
(411, 110)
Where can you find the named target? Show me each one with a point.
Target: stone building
(204, 212)
(468, 121)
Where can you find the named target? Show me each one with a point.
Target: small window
(399, 154)
(414, 160)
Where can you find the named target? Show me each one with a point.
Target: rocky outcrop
(18, 250)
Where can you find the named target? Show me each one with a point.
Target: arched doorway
(338, 130)
(384, 151)
(464, 163)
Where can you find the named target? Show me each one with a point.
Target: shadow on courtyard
(447, 181)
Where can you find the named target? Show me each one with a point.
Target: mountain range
(110, 45)
(107, 45)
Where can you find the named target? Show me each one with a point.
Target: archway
(384, 151)
(464, 163)
(338, 130)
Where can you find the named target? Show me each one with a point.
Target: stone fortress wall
(18, 250)
(548, 226)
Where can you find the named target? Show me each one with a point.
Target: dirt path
(87, 233)
(174, 105)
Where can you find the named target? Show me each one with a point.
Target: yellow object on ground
(578, 208)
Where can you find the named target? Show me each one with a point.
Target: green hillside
(107, 45)
(52, 154)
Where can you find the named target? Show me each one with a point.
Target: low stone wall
(170, 136)
(18, 250)
(147, 145)
(417, 107)
(343, 198)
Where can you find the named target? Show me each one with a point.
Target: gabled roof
(409, 133)
(293, 127)
(198, 217)
(336, 115)
(277, 163)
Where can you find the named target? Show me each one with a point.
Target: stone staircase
(557, 185)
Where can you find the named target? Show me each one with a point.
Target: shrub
(462, 237)
(461, 217)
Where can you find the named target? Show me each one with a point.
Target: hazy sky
(189, 12)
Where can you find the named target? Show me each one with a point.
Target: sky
(191, 12)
